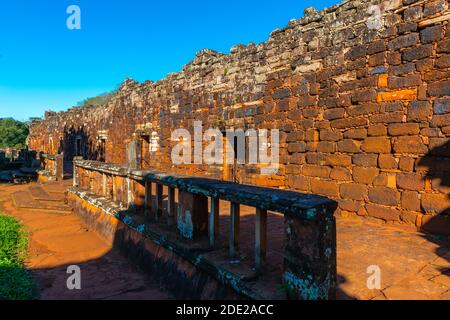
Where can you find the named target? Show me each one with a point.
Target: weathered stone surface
(349, 146)
(376, 145)
(298, 183)
(316, 171)
(297, 147)
(403, 129)
(410, 200)
(380, 212)
(431, 34)
(377, 130)
(406, 164)
(396, 95)
(341, 174)
(435, 203)
(338, 160)
(442, 106)
(357, 134)
(323, 187)
(365, 160)
(419, 111)
(417, 53)
(440, 147)
(412, 144)
(411, 181)
(439, 89)
(404, 41)
(353, 191)
(365, 175)
(384, 196)
(387, 161)
(192, 215)
(434, 7)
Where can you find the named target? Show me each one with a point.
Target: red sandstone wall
(364, 113)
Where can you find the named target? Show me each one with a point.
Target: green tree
(97, 101)
(13, 133)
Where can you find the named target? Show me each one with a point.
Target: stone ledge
(295, 204)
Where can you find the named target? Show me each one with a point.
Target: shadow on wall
(437, 228)
(77, 142)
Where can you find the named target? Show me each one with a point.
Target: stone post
(192, 215)
(310, 257)
(76, 177)
(59, 167)
(134, 154)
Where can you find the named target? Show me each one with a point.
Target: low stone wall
(190, 228)
(182, 270)
(52, 168)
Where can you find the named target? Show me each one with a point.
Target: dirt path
(59, 239)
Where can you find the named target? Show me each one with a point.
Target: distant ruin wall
(361, 101)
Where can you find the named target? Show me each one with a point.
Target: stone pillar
(59, 167)
(134, 154)
(310, 257)
(76, 176)
(192, 215)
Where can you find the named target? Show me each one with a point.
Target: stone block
(387, 161)
(357, 134)
(410, 144)
(384, 196)
(431, 34)
(419, 111)
(403, 129)
(365, 175)
(309, 268)
(411, 200)
(192, 215)
(439, 89)
(365, 160)
(377, 130)
(396, 95)
(316, 171)
(436, 203)
(324, 187)
(353, 191)
(411, 181)
(349, 146)
(384, 213)
(341, 174)
(376, 145)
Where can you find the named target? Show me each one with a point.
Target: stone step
(23, 199)
(38, 193)
(57, 186)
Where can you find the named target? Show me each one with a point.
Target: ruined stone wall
(363, 109)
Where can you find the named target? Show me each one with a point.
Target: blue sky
(44, 65)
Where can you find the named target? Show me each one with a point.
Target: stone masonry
(362, 102)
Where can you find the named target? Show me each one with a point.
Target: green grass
(15, 281)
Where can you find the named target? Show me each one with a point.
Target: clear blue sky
(44, 65)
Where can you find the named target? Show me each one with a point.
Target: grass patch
(15, 281)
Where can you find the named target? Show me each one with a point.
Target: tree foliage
(98, 100)
(13, 133)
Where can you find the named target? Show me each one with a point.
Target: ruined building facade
(360, 93)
